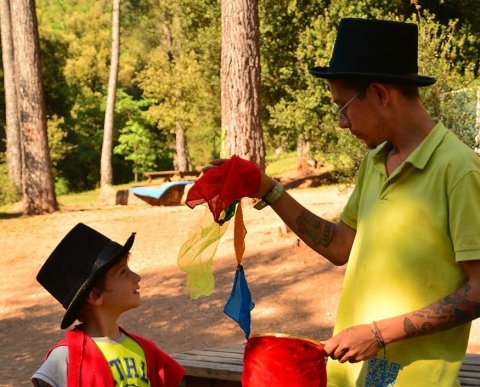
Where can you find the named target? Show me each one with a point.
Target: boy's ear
(94, 297)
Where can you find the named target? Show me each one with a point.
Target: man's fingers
(218, 162)
(207, 168)
(340, 354)
(213, 164)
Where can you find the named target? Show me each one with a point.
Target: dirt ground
(295, 290)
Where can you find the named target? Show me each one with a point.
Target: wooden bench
(470, 371)
(167, 175)
(213, 367)
(222, 366)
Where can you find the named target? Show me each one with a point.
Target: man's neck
(411, 130)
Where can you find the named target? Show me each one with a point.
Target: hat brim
(77, 301)
(405, 79)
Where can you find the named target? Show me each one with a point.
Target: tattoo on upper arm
(318, 230)
(451, 311)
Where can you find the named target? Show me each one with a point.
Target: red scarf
(87, 366)
(219, 187)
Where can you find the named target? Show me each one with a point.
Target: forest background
(169, 81)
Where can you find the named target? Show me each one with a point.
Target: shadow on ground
(10, 215)
(309, 180)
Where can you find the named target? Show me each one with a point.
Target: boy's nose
(136, 276)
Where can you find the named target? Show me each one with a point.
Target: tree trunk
(240, 78)
(106, 174)
(181, 158)
(37, 180)
(303, 148)
(14, 152)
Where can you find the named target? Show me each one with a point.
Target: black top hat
(376, 50)
(77, 263)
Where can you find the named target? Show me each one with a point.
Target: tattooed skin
(451, 311)
(318, 230)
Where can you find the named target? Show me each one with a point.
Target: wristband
(270, 197)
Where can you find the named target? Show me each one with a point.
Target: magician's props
(222, 188)
(283, 361)
(269, 360)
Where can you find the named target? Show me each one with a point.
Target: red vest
(87, 367)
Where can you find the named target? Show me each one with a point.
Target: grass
(282, 165)
(78, 199)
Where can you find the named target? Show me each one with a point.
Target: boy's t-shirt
(126, 360)
(124, 356)
(53, 371)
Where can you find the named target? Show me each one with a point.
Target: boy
(89, 275)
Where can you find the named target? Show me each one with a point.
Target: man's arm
(331, 240)
(462, 306)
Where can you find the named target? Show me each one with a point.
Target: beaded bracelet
(378, 336)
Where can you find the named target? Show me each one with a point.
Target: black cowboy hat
(82, 257)
(376, 50)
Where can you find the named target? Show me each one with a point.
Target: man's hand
(354, 344)
(266, 182)
(213, 164)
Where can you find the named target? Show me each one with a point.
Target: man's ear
(95, 297)
(381, 92)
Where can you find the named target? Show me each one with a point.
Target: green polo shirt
(413, 228)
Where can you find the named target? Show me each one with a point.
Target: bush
(8, 193)
(61, 186)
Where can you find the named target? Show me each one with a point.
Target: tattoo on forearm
(318, 230)
(451, 311)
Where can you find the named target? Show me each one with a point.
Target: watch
(270, 197)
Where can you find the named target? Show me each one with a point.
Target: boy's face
(121, 288)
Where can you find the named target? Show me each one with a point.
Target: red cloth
(87, 366)
(219, 187)
(283, 362)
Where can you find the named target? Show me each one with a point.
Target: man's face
(357, 112)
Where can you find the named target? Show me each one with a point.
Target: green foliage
(451, 98)
(182, 77)
(139, 141)
(88, 36)
(170, 75)
(8, 193)
(459, 112)
(302, 109)
(59, 147)
(284, 164)
(467, 12)
(304, 112)
(61, 186)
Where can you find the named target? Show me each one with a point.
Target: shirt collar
(420, 156)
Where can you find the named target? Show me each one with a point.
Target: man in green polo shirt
(410, 232)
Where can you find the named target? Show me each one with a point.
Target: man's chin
(371, 144)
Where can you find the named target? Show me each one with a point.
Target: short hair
(407, 91)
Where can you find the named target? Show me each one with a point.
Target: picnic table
(167, 175)
(222, 366)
